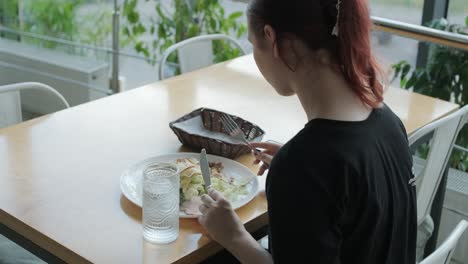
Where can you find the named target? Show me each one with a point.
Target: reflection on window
(391, 49)
(458, 12)
(79, 21)
(409, 11)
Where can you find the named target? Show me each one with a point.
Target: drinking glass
(161, 183)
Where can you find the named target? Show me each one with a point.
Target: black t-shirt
(344, 188)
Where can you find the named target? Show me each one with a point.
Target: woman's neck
(327, 95)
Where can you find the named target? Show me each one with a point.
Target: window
(409, 11)
(458, 12)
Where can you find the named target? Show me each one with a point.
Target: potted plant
(185, 19)
(446, 77)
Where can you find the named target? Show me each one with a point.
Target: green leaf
(411, 81)
(137, 30)
(141, 28)
(235, 15)
(146, 52)
(241, 31)
(402, 82)
(132, 4)
(152, 29)
(133, 17)
(161, 31)
(139, 46)
(160, 12)
(213, 23)
(126, 31)
(194, 30)
(405, 70)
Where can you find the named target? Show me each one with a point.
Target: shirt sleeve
(307, 203)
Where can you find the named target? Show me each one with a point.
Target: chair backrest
(195, 53)
(445, 132)
(10, 105)
(443, 253)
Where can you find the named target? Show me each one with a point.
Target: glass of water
(161, 203)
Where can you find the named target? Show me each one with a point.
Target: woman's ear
(271, 39)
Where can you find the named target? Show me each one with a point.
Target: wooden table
(59, 174)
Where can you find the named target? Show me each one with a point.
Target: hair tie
(335, 28)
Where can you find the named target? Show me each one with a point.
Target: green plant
(95, 28)
(445, 76)
(53, 18)
(82, 21)
(188, 18)
(9, 17)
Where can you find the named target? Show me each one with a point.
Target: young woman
(349, 168)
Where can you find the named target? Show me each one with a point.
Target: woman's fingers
(206, 199)
(215, 195)
(270, 149)
(259, 155)
(266, 158)
(262, 169)
(203, 208)
(266, 145)
(266, 151)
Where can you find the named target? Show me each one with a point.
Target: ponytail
(359, 66)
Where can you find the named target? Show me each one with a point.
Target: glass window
(9, 17)
(458, 12)
(391, 49)
(57, 42)
(409, 11)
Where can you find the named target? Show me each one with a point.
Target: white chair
(443, 253)
(427, 181)
(195, 53)
(428, 178)
(10, 104)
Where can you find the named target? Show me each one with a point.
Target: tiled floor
(11, 253)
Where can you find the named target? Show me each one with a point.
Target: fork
(234, 130)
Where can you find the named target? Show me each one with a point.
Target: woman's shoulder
(323, 139)
(313, 149)
(315, 162)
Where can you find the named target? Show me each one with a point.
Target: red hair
(312, 21)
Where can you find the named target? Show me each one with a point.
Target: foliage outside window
(8, 17)
(51, 18)
(445, 76)
(186, 19)
(62, 19)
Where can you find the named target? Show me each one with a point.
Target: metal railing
(415, 32)
(115, 48)
(73, 44)
(421, 33)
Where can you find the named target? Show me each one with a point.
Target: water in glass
(161, 203)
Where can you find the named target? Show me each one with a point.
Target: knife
(205, 169)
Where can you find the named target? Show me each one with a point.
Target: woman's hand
(224, 226)
(265, 156)
(219, 219)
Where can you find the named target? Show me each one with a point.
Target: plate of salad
(234, 180)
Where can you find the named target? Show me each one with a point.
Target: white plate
(131, 179)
